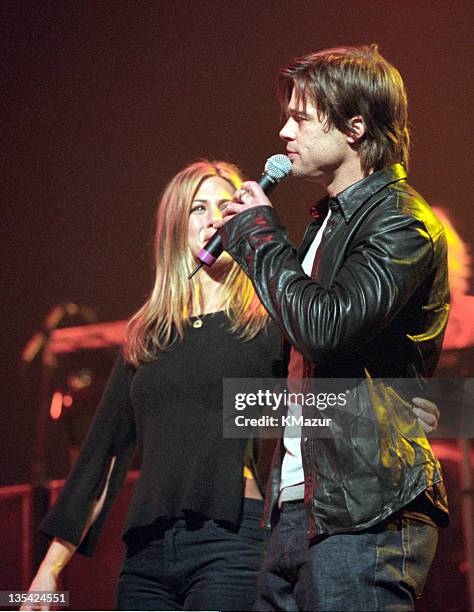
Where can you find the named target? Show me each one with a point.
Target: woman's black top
(171, 409)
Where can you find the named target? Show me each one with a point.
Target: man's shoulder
(408, 202)
(399, 200)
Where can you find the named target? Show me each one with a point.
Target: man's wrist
(250, 220)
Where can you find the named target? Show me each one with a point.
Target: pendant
(197, 323)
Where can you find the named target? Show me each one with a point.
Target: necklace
(198, 319)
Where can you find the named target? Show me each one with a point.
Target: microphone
(277, 168)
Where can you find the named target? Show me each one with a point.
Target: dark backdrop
(104, 101)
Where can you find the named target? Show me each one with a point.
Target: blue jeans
(381, 568)
(196, 567)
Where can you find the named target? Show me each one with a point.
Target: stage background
(104, 101)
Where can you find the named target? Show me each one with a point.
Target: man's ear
(357, 130)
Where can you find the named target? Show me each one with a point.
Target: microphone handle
(209, 253)
(267, 183)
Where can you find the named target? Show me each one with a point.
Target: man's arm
(390, 257)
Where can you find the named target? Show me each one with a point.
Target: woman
(192, 531)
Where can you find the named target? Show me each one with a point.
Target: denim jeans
(381, 568)
(202, 566)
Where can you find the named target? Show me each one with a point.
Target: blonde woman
(192, 532)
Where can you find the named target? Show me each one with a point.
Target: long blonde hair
(162, 319)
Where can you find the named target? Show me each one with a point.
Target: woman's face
(210, 200)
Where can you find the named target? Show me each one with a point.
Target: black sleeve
(389, 259)
(112, 434)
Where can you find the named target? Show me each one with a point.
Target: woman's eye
(198, 208)
(224, 205)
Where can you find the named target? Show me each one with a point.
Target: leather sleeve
(390, 255)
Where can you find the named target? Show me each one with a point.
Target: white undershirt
(292, 474)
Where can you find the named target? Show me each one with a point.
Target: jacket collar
(352, 198)
(349, 200)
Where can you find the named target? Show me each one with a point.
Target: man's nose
(287, 132)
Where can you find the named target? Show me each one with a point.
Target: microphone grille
(278, 167)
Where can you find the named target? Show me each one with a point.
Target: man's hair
(348, 81)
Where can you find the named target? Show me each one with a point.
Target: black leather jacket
(377, 308)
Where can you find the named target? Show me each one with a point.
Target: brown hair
(348, 81)
(161, 320)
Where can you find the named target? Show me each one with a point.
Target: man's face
(316, 150)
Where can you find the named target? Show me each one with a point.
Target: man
(369, 300)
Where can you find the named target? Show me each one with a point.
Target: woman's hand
(427, 413)
(44, 581)
(60, 552)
